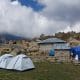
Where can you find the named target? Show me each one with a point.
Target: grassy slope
(44, 71)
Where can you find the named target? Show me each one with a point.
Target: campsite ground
(44, 71)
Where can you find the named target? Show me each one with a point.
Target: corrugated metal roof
(61, 46)
(52, 40)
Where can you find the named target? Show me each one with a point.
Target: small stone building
(60, 47)
(48, 44)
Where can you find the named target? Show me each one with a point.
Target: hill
(6, 37)
(62, 35)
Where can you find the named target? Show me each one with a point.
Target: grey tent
(21, 62)
(4, 60)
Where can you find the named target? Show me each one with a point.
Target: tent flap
(75, 51)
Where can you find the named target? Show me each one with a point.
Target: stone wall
(44, 47)
(62, 56)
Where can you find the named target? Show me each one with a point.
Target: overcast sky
(30, 18)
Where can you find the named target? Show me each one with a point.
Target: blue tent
(75, 51)
(51, 52)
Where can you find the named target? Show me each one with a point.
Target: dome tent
(4, 60)
(21, 62)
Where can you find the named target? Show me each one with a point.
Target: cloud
(24, 21)
(66, 11)
(75, 27)
(62, 10)
(19, 20)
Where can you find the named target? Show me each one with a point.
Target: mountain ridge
(7, 37)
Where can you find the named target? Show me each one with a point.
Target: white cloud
(24, 21)
(75, 28)
(19, 20)
(66, 11)
(15, 3)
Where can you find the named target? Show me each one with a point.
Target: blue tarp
(51, 52)
(75, 51)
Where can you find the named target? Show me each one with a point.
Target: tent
(21, 62)
(4, 60)
(76, 52)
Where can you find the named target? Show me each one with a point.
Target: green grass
(44, 71)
